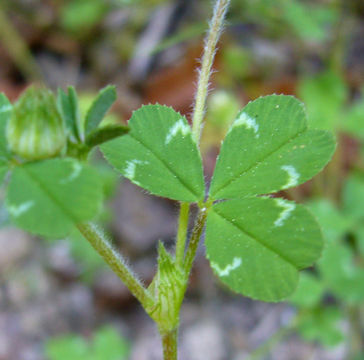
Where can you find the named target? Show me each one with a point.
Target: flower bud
(35, 130)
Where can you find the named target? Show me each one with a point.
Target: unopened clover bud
(35, 130)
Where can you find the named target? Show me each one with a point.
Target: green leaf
(339, 271)
(105, 344)
(354, 118)
(324, 96)
(309, 291)
(3, 171)
(99, 108)
(105, 133)
(79, 16)
(108, 345)
(67, 347)
(257, 245)
(334, 223)
(269, 148)
(309, 22)
(353, 196)
(68, 104)
(359, 235)
(159, 154)
(49, 197)
(322, 325)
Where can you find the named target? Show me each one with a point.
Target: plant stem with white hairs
(208, 57)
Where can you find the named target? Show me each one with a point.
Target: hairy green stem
(208, 57)
(169, 340)
(169, 343)
(182, 233)
(195, 239)
(206, 65)
(18, 49)
(102, 245)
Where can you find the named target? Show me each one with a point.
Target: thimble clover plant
(256, 244)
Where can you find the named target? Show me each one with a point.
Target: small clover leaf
(269, 148)
(51, 196)
(159, 154)
(257, 245)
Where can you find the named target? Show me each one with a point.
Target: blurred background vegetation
(58, 300)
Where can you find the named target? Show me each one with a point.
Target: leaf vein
(48, 193)
(259, 241)
(186, 186)
(236, 177)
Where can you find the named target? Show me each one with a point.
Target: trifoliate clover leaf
(159, 154)
(257, 245)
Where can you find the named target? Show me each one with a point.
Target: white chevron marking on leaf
(247, 121)
(284, 215)
(179, 126)
(228, 268)
(17, 210)
(293, 176)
